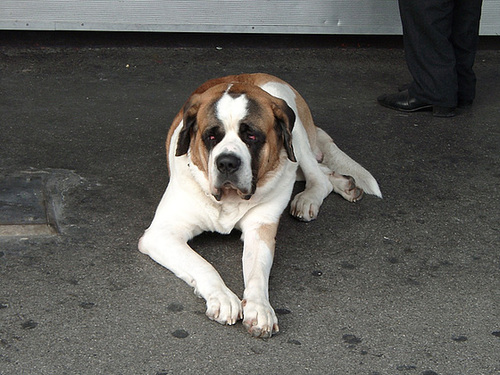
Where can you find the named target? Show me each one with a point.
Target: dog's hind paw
(353, 193)
(346, 187)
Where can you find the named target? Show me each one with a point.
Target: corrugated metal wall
(231, 16)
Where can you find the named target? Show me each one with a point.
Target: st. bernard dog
(234, 152)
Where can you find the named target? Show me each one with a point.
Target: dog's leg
(258, 315)
(172, 252)
(305, 205)
(348, 177)
(166, 242)
(337, 172)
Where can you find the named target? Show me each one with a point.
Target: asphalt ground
(405, 285)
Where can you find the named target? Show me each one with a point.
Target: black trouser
(440, 41)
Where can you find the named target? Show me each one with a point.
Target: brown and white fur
(234, 152)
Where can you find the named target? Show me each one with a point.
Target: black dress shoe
(462, 103)
(402, 101)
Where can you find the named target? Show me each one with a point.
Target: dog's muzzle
(228, 176)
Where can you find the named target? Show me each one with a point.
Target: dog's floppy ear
(190, 111)
(285, 120)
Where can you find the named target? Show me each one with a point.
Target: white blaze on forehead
(231, 110)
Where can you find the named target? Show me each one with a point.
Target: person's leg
(427, 28)
(464, 37)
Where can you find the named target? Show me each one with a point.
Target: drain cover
(23, 207)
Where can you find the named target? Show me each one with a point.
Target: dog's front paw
(259, 318)
(305, 206)
(224, 307)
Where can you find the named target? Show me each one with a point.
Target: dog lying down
(234, 151)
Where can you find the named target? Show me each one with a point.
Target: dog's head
(236, 135)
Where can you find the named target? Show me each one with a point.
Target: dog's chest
(224, 217)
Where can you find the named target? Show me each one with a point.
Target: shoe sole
(429, 107)
(423, 108)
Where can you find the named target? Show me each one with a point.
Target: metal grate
(23, 207)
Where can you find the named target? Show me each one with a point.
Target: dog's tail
(339, 162)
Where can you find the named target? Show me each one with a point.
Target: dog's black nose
(228, 163)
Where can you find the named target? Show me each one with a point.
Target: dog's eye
(212, 136)
(248, 134)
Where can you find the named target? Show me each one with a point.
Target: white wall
(235, 16)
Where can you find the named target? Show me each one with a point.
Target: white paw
(305, 206)
(259, 318)
(346, 186)
(224, 307)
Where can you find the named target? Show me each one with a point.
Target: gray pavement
(405, 285)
